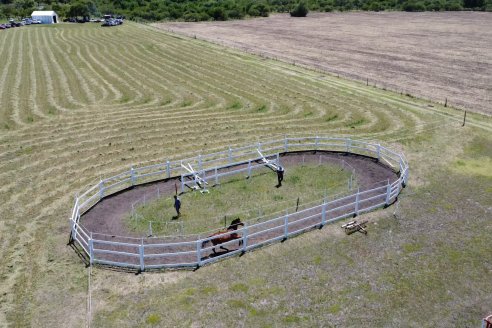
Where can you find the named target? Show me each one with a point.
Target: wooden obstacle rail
(153, 253)
(354, 226)
(195, 180)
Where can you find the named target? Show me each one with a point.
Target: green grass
(95, 93)
(256, 198)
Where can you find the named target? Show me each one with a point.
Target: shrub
(235, 14)
(375, 6)
(259, 9)
(411, 6)
(218, 14)
(453, 6)
(301, 10)
(191, 17)
(473, 3)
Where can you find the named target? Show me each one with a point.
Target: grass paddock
(254, 198)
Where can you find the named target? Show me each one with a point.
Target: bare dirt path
(430, 55)
(108, 215)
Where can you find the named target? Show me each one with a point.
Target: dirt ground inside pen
(429, 55)
(107, 216)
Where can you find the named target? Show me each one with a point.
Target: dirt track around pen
(429, 55)
(105, 219)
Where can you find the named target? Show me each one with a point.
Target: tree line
(203, 10)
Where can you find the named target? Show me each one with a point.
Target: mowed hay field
(79, 102)
(432, 55)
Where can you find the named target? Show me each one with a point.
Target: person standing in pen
(280, 175)
(177, 205)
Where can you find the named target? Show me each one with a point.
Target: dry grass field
(430, 55)
(78, 102)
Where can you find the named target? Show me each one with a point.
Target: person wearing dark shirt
(177, 205)
(280, 175)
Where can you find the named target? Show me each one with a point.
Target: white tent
(46, 17)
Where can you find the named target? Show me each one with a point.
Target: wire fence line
(198, 250)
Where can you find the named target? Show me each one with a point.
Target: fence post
(388, 194)
(230, 155)
(286, 144)
(278, 159)
(405, 178)
(168, 170)
(91, 250)
(73, 234)
(216, 176)
(379, 152)
(199, 253)
(182, 184)
(356, 203)
(245, 238)
(132, 176)
(141, 251)
(286, 225)
(348, 143)
(75, 215)
(101, 189)
(323, 214)
(77, 212)
(249, 168)
(316, 143)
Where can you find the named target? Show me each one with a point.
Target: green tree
(473, 3)
(24, 7)
(300, 10)
(259, 9)
(218, 14)
(79, 9)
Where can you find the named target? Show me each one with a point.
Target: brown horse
(223, 236)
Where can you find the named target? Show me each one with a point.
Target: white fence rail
(151, 253)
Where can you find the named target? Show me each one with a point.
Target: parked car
(2, 27)
(108, 22)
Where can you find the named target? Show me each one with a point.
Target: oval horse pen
(103, 246)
